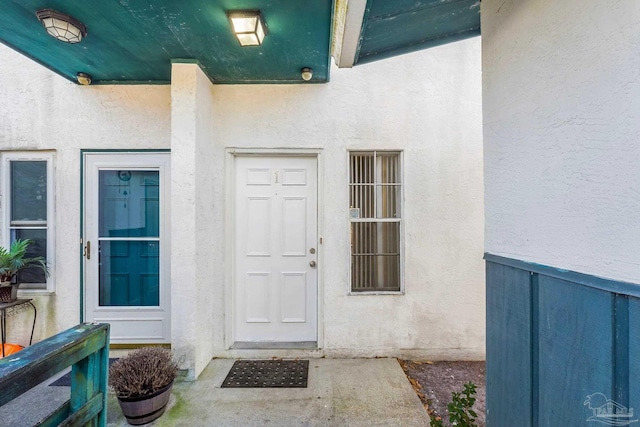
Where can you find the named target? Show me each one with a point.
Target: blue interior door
(129, 238)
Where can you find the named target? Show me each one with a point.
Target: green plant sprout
(460, 412)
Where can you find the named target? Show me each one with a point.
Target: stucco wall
(192, 223)
(40, 110)
(561, 84)
(427, 104)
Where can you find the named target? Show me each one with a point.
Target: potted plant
(142, 381)
(11, 262)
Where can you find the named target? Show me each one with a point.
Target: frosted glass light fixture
(61, 26)
(306, 73)
(248, 26)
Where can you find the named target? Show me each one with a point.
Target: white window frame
(401, 222)
(49, 156)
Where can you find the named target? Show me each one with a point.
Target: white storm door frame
(129, 324)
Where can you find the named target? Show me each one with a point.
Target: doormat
(65, 380)
(267, 373)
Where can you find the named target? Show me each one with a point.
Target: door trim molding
(231, 153)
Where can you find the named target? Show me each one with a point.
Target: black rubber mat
(267, 373)
(65, 380)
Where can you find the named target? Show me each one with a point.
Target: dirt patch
(434, 382)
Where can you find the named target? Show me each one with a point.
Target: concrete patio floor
(340, 392)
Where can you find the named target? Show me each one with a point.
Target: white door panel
(275, 289)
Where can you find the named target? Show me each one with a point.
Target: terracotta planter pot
(143, 410)
(10, 349)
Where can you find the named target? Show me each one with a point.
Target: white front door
(275, 289)
(126, 245)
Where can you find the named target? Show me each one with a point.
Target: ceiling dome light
(248, 26)
(61, 26)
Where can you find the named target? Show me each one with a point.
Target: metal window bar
(375, 237)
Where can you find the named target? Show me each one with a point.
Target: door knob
(312, 263)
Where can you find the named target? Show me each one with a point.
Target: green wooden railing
(85, 348)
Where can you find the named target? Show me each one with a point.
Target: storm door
(126, 245)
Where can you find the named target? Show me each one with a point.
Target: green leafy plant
(15, 259)
(460, 412)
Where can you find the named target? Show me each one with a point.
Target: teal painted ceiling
(394, 27)
(134, 41)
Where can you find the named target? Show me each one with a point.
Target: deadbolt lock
(312, 250)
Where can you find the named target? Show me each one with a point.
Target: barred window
(375, 213)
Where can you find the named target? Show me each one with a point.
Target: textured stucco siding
(427, 104)
(192, 219)
(561, 97)
(40, 110)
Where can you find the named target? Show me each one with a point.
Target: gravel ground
(434, 382)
